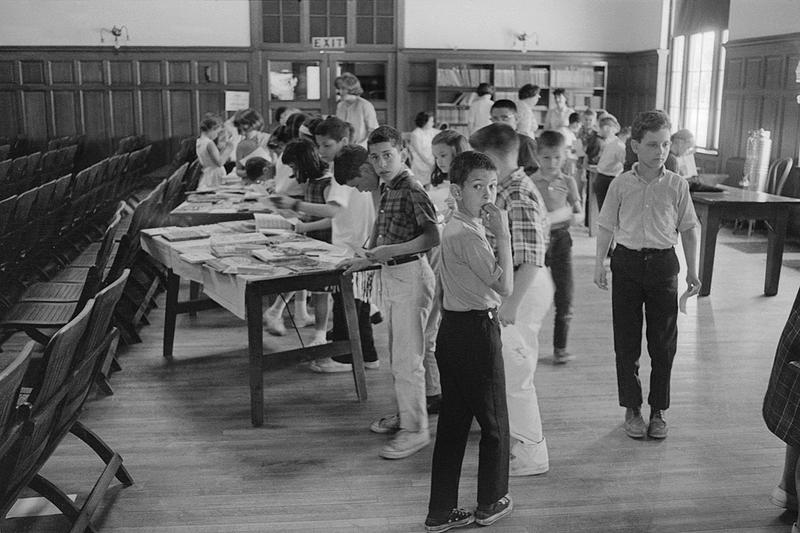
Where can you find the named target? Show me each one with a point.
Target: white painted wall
(149, 22)
(569, 25)
(759, 18)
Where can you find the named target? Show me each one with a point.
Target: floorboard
(184, 430)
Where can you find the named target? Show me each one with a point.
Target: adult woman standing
(354, 109)
(420, 141)
(249, 123)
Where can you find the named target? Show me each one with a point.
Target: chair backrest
(5, 168)
(33, 164)
(174, 187)
(24, 203)
(18, 168)
(58, 356)
(7, 207)
(44, 197)
(61, 190)
(4, 151)
(777, 174)
(10, 381)
(107, 244)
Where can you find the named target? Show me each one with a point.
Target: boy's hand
(282, 202)
(300, 227)
(601, 276)
(507, 314)
(354, 264)
(379, 254)
(693, 283)
(495, 220)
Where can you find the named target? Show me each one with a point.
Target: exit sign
(327, 42)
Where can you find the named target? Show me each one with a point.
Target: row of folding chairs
(64, 141)
(20, 174)
(130, 144)
(42, 393)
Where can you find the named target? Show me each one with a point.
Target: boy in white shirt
(612, 157)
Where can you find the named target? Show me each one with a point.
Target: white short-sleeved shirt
(352, 225)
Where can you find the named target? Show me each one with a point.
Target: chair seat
(49, 291)
(73, 275)
(39, 314)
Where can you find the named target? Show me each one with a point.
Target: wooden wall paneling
(773, 71)
(208, 72)
(150, 72)
(66, 113)
(734, 74)
(9, 110)
(210, 102)
(96, 125)
(788, 145)
(34, 105)
(180, 72)
(91, 72)
(32, 72)
(123, 113)
(153, 122)
(120, 72)
(7, 69)
(753, 73)
(730, 139)
(237, 72)
(62, 72)
(181, 119)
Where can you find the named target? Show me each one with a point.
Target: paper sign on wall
(236, 100)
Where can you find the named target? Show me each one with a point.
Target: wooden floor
(184, 430)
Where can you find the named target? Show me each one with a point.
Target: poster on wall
(236, 100)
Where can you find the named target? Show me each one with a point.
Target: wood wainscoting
(161, 93)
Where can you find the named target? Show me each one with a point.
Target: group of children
(464, 287)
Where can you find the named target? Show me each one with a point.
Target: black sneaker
(433, 403)
(456, 518)
(489, 514)
(376, 317)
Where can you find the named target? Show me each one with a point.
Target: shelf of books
(585, 85)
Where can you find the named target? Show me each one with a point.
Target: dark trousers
(601, 183)
(470, 360)
(340, 333)
(649, 280)
(559, 259)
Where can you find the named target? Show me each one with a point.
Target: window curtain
(695, 16)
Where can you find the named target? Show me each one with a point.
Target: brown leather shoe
(658, 426)
(634, 426)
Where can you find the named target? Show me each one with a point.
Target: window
(697, 67)
(696, 85)
(297, 22)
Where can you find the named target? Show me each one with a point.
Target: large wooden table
(243, 296)
(712, 207)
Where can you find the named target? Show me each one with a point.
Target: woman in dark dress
(781, 409)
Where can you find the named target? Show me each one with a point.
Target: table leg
(775, 240)
(709, 227)
(171, 312)
(194, 294)
(255, 341)
(351, 315)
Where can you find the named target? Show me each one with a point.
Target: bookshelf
(585, 84)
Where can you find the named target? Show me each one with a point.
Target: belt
(403, 259)
(491, 313)
(646, 251)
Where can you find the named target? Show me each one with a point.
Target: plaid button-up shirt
(403, 211)
(527, 218)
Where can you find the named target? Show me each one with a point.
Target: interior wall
(749, 19)
(149, 22)
(574, 25)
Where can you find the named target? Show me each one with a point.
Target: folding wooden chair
(4, 151)
(10, 382)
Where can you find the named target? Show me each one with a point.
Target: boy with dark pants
(645, 210)
(469, 350)
(405, 228)
(560, 193)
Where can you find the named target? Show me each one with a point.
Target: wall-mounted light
(524, 39)
(116, 32)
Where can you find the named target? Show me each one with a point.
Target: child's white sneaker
(528, 459)
(274, 323)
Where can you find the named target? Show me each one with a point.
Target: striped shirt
(527, 218)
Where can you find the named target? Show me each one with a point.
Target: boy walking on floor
(560, 193)
(468, 348)
(645, 210)
(405, 228)
(522, 312)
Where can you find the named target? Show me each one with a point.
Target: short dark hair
(574, 118)
(466, 162)
(302, 153)
(645, 121)
(279, 138)
(559, 91)
(294, 122)
(497, 137)
(422, 118)
(504, 104)
(386, 134)
(278, 112)
(453, 139)
(528, 91)
(551, 139)
(254, 167)
(333, 128)
(210, 121)
(347, 163)
(484, 88)
(248, 118)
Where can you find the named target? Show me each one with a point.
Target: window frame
(712, 133)
(257, 29)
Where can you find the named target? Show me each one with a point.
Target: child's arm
(604, 237)
(496, 220)
(422, 243)
(523, 280)
(689, 241)
(305, 227)
(329, 210)
(216, 156)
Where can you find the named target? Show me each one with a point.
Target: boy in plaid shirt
(404, 229)
(521, 313)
